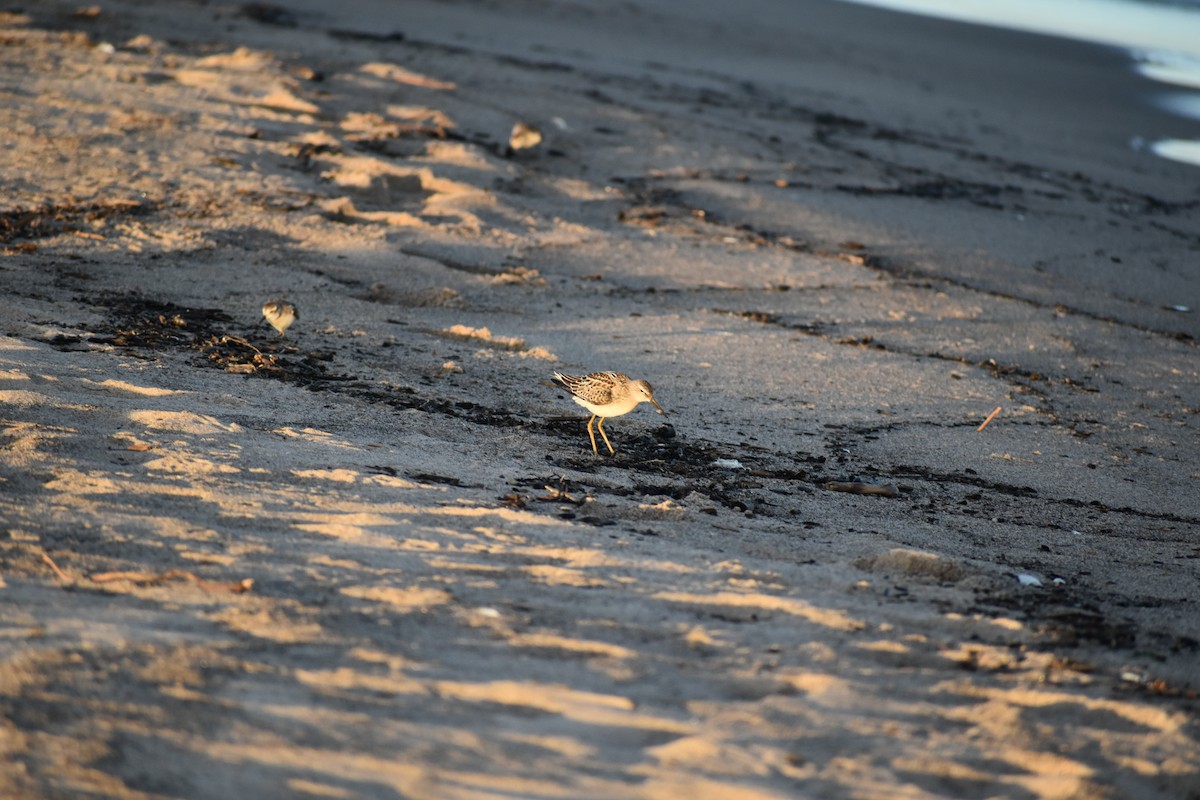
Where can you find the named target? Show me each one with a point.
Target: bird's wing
(596, 388)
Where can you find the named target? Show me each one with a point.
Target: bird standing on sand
(524, 137)
(607, 394)
(280, 314)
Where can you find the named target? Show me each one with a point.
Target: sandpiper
(524, 137)
(607, 394)
(280, 314)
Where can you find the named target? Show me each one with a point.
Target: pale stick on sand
(990, 417)
(280, 314)
(607, 394)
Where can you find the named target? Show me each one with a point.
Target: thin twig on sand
(154, 578)
(64, 577)
(990, 417)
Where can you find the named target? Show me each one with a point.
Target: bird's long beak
(657, 406)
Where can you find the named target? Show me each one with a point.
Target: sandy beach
(922, 519)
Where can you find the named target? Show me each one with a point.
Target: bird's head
(644, 394)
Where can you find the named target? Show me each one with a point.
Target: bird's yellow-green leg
(592, 433)
(605, 435)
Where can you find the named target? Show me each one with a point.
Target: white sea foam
(1131, 25)
(1163, 41)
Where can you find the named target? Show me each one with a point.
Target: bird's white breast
(613, 409)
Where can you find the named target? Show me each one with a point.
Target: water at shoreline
(1163, 41)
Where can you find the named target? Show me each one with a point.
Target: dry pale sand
(376, 558)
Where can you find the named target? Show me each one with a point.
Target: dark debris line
(139, 323)
(670, 467)
(20, 226)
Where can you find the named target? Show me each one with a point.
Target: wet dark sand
(1036, 128)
